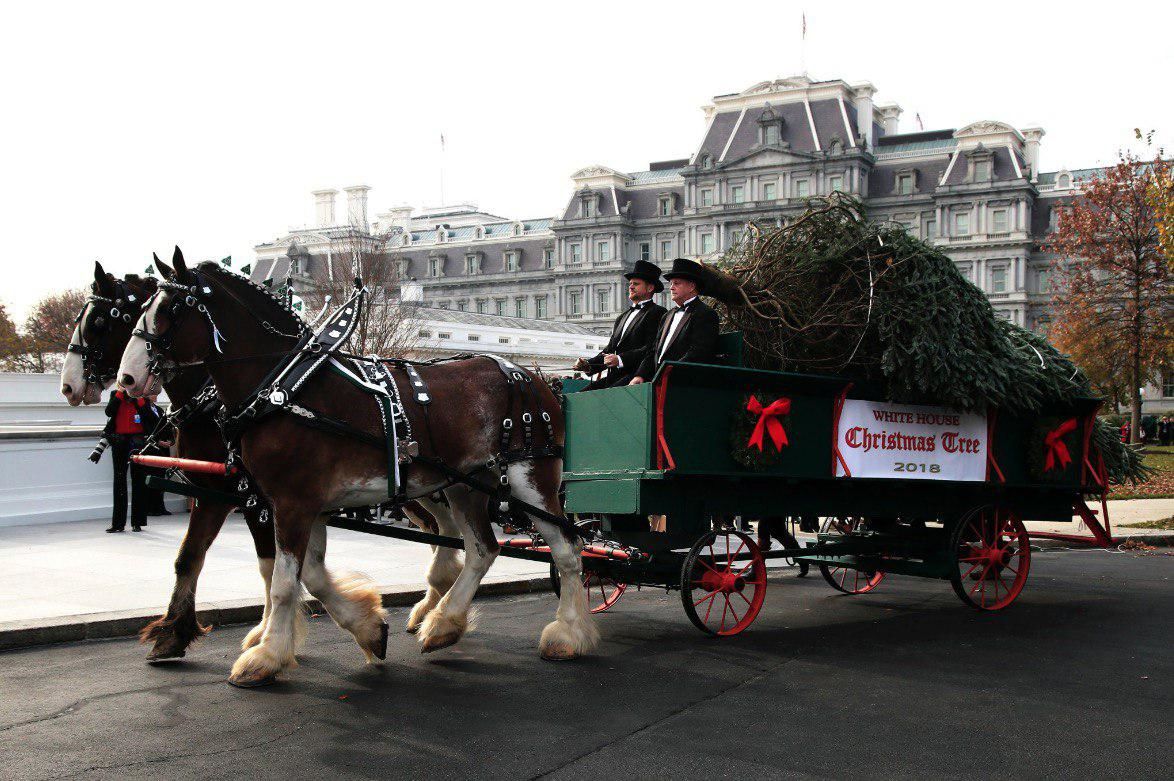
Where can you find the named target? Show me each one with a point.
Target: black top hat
(687, 269)
(649, 272)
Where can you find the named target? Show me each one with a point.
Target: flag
(805, 25)
(226, 261)
(247, 269)
(296, 303)
(442, 142)
(150, 272)
(267, 282)
(920, 125)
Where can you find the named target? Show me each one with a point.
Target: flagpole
(442, 169)
(803, 45)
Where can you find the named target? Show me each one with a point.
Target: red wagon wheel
(602, 591)
(723, 582)
(847, 579)
(992, 553)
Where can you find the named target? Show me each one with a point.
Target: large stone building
(976, 191)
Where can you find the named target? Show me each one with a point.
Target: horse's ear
(102, 282)
(165, 270)
(181, 268)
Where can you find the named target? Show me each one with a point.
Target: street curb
(1156, 540)
(127, 623)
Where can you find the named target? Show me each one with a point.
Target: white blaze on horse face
(135, 358)
(73, 372)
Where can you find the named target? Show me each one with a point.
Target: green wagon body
(666, 447)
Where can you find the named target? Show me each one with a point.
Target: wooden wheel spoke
(711, 595)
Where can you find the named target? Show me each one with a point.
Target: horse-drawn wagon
(915, 490)
(906, 489)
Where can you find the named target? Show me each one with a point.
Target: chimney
(1032, 136)
(400, 217)
(889, 115)
(356, 205)
(324, 207)
(863, 104)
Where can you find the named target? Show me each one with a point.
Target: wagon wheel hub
(725, 581)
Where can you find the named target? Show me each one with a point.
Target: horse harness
(314, 350)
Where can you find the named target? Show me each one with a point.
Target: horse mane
(258, 298)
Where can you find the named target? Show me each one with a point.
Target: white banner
(910, 442)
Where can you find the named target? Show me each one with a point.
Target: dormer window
(664, 206)
(473, 263)
(706, 197)
(770, 127)
(706, 162)
(401, 267)
(519, 229)
(436, 267)
(441, 234)
(479, 232)
(981, 162)
(905, 184)
(548, 257)
(1063, 181)
(589, 206)
(513, 260)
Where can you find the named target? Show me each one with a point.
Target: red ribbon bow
(1057, 451)
(768, 420)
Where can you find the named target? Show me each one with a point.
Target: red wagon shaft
(185, 464)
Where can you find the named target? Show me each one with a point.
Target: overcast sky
(128, 127)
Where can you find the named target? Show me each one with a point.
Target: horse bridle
(117, 308)
(188, 298)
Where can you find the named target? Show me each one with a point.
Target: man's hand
(612, 360)
(581, 365)
(96, 456)
(636, 381)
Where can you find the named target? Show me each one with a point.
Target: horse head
(180, 325)
(100, 333)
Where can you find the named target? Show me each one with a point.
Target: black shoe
(115, 529)
(136, 528)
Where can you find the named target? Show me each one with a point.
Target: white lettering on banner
(910, 442)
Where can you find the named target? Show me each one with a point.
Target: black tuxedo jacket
(632, 348)
(695, 340)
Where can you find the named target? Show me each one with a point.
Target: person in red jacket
(128, 421)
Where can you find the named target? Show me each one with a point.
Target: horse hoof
(382, 652)
(253, 683)
(165, 655)
(558, 652)
(411, 630)
(436, 642)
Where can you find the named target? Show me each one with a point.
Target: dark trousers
(121, 448)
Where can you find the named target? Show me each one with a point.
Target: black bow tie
(682, 308)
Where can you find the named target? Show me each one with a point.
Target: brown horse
(101, 334)
(240, 333)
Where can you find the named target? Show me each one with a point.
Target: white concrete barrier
(45, 472)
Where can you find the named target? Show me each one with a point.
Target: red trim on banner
(837, 408)
(992, 426)
(663, 453)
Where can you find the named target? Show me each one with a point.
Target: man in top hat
(689, 332)
(633, 334)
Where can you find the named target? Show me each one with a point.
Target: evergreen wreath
(1037, 449)
(742, 425)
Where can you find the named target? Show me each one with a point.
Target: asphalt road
(1075, 680)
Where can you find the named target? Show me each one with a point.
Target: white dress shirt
(624, 328)
(678, 315)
